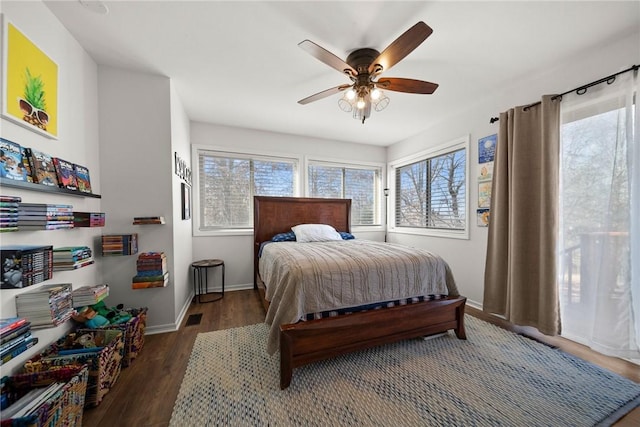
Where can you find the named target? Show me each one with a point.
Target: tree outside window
(431, 193)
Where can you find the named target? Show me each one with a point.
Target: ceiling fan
(364, 66)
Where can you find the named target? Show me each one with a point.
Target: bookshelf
(45, 188)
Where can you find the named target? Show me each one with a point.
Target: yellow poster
(31, 87)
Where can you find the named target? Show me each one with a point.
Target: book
(45, 207)
(36, 398)
(8, 346)
(9, 213)
(45, 227)
(71, 253)
(82, 177)
(151, 283)
(66, 174)
(88, 219)
(11, 166)
(49, 305)
(121, 244)
(42, 168)
(155, 278)
(8, 336)
(9, 324)
(26, 164)
(21, 349)
(89, 295)
(138, 220)
(73, 266)
(24, 265)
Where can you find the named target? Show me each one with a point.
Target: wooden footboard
(307, 342)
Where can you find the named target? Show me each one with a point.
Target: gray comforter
(313, 277)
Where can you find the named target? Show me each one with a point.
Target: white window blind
(431, 193)
(228, 182)
(360, 184)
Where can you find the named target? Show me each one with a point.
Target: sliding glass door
(598, 256)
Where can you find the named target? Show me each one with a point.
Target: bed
(303, 342)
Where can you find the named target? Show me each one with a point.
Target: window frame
(196, 149)
(332, 162)
(448, 147)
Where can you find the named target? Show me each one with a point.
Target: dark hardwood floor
(146, 390)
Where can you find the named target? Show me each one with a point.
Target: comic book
(11, 166)
(82, 176)
(42, 168)
(66, 174)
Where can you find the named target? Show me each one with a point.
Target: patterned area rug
(494, 378)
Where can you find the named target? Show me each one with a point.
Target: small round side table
(200, 284)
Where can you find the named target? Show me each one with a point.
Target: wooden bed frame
(311, 341)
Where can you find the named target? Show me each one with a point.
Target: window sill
(448, 234)
(224, 233)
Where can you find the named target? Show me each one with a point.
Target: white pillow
(315, 233)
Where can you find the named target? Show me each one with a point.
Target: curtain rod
(581, 90)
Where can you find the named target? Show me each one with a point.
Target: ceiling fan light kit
(364, 66)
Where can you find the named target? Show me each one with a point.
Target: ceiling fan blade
(323, 94)
(327, 57)
(401, 47)
(397, 84)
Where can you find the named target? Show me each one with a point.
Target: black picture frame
(186, 200)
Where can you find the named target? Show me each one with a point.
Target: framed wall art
(186, 200)
(30, 83)
(484, 194)
(487, 148)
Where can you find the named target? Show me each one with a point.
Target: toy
(115, 315)
(90, 318)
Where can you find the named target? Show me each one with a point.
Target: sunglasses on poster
(30, 110)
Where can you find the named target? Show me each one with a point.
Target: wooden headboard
(273, 215)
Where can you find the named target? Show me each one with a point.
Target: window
(228, 182)
(360, 184)
(430, 191)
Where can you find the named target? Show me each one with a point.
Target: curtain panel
(600, 218)
(520, 272)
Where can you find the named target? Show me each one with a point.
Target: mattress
(303, 279)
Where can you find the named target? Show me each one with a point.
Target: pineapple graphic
(34, 104)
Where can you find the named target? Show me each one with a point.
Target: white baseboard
(173, 327)
(474, 304)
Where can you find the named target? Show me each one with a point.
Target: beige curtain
(520, 271)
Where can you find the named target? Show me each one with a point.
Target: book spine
(10, 345)
(8, 336)
(13, 325)
(24, 347)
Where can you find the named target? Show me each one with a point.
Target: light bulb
(360, 103)
(375, 93)
(351, 94)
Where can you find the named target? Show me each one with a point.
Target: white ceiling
(237, 63)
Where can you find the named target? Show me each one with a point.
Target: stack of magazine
(40, 216)
(47, 306)
(71, 257)
(89, 295)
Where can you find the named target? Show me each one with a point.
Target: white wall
(182, 240)
(237, 251)
(467, 257)
(136, 155)
(77, 142)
